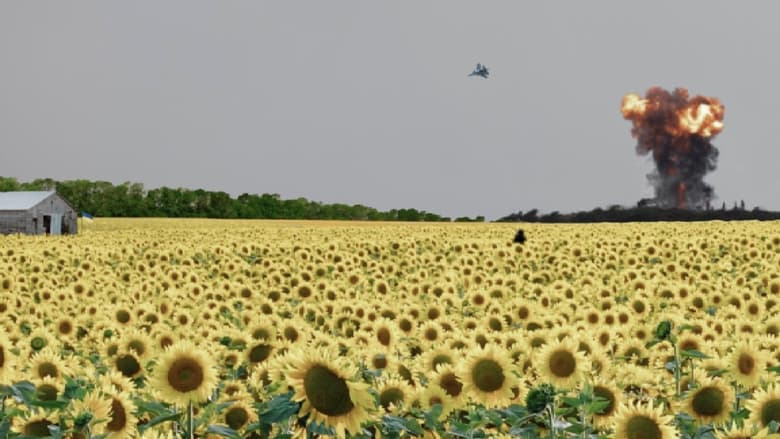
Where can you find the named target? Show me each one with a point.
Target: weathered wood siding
(15, 221)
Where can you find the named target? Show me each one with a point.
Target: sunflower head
(322, 380)
(711, 401)
(446, 377)
(184, 373)
(122, 421)
(128, 364)
(643, 422)
(34, 424)
(765, 406)
(561, 363)
(746, 363)
(48, 363)
(610, 397)
(258, 351)
(394, 393)
(239, 415)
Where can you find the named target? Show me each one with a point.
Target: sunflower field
(156, 328)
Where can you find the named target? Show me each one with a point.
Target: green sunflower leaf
(280, 409)
(223, 431)
(432, 416)
(158, 420)
(693, 353)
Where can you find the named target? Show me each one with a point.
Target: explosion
(677, 130)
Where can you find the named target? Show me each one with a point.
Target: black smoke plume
(677, 131)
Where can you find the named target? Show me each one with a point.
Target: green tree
(9, 184)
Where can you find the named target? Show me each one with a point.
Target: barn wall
(54, 204)
(21, 221)
(15, 221)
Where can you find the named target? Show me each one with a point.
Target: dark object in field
(480, 70)
(520, 237)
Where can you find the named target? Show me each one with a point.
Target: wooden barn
(36, 213)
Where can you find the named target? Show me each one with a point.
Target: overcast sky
(369, 101)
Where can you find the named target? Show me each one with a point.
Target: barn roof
(22, 200)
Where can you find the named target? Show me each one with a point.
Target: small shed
(37, 213)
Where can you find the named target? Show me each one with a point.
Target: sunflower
(7, 359)
(258, 351)
(737, 432)
(65, 328)
(164, 337)
(600, 363)
(430, 333)
(634, 351)
(394, 393)
(493, 322)
(184, 374)
(239, 415)
(138, 342)
(38, 339)
(330, 396)
(404, 370)
(605, 337)
(182, 319)
(590, 315)
(435, 395)
(48, 388)
(260, 378)
(710, 402)
(636, 379)
(128, 364)
(121, 423)
(93, 410)
(561, 364)
(233, 390)
(447, 378)
(47, 362)
(122, 315)
(116, 380)
(434, 357)
(640, 332)
(487, 376)
(765, 406)
(261, 329)
(607, 391)
(377, 358)
(406, 324)
(643, 422)
(385, 333)
(34, 424)
(746, 364)
(6, 283)
(691, 342)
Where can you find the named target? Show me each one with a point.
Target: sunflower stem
(190, 422)
(736, 402)
(676, 371)
(551, 407)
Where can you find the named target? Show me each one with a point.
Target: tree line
(102, 198)
(620, 214)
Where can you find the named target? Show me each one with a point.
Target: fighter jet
(480, 70)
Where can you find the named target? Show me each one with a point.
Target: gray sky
(368, 102)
